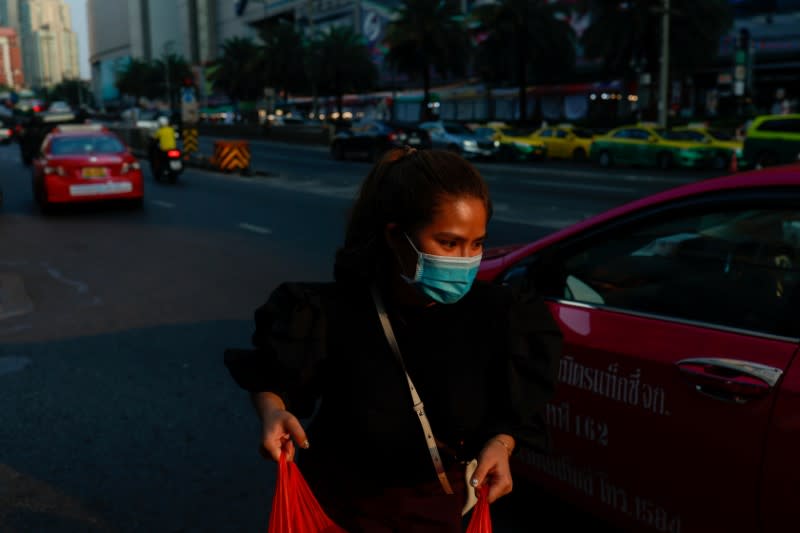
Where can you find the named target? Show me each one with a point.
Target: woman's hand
(493, 467)
(280, 429)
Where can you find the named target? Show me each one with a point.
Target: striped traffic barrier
(191, 142)
(231, 155)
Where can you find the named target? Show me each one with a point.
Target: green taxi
(773, 140)
(726, 143)
(642, 145)
(514, 144)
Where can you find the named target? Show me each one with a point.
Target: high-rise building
(49, 46)
(9, 14)
(10, 59)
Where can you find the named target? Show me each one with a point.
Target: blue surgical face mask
(443, 279)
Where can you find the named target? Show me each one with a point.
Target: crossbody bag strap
(419, 408)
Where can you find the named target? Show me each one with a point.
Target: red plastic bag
(481, 522)
(294, 507)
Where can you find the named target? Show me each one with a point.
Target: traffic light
(240, 6)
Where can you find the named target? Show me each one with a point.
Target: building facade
(49, 46)
(11, 73)
(9, 14)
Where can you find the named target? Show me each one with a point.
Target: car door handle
(731, 380)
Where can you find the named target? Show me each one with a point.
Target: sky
(80, 24)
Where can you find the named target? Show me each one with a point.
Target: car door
(624, 146)
(678, 324)
(560, 144)
(644, 147)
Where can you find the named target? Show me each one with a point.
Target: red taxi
(678, 400)
(80, 163)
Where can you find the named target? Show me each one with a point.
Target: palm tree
(172, 70)
(139, 79)
(341, 63)
(525, 38)
(627, 35)
(428, 34)
(282, 58)
(237, 71)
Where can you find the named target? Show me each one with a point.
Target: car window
(621, 134)
(721, 135)
(639, 135)
(484, 132)
(731, 268)
(546, 133)
(561, 134)
(456, 128)
(80, 145)
(784, 125)
(684, 135)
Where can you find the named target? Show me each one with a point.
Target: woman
(483, 360)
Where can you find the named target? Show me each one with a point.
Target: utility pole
(663, 81)
(167, 48)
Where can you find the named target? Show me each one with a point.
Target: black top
(482, 366)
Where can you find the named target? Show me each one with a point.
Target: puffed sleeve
(526, 378)
(289, 341)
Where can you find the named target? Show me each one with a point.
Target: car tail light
(393, 136)
(9, 132)
(37, 109)
(127, 167)
(59, 171)
(174, 153)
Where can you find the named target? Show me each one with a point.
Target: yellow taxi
(513, 144)
(565, 141)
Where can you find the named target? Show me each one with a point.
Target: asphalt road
(116, 413)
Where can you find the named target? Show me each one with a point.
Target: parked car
(371, 138)
(446, 135)
(650, 146)
(565, 142)
(679, 384)
(726, 143)
(6, 131)
(513, 144)
(773, 140)
(80, 163)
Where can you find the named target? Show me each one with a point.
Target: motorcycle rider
(163, 140)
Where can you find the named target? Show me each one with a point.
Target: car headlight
(470, 144)
(497, 144)
(739, 152)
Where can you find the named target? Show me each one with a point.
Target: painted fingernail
(306, 444)
(474, 482)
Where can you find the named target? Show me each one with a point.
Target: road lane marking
(11, 364)
(255, 229)
(79, 286)
(161, 203)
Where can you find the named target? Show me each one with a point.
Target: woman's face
(458, 229)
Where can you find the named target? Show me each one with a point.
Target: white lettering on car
(599, 486)
(583, 426)
(628, 389)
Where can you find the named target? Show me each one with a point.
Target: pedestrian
(482, 357)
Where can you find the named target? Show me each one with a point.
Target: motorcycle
(169, 167)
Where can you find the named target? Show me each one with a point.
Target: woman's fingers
(279, 436)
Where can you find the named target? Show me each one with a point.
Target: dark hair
(405, 187)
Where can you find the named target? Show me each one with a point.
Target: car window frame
(772, 197)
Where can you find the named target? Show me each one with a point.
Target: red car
(81, 163)
(678, 399)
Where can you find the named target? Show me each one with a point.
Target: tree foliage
(525, 42)
(341, 63)
(283, 57)
(428, 34)
(237, 70)
(628, 34)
